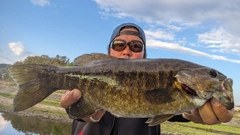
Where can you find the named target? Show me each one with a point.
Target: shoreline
(61, 119)
(8, 91)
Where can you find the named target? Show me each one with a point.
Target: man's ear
(145, 54)
(109, 50)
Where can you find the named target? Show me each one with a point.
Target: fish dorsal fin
(156, 120)
(86, 58)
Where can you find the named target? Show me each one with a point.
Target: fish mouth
(225, 94)
(188, 90)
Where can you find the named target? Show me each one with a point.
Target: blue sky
(202, 31)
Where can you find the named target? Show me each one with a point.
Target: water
(11, 124)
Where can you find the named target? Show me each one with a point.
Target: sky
(201, 31)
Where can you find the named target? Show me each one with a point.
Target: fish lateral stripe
(105, 79)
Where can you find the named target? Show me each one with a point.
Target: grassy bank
(191, 128)
(50, 109)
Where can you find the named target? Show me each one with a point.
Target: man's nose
(127, 51)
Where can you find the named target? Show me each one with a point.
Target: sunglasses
(134, 45)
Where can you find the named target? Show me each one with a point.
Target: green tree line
(44, 59)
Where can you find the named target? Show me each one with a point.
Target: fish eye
(213, 73)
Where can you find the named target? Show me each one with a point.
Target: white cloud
(16, 47)
(159, 34)
(40, 2)
(216, 18)
(177, 47)
(221, 41)
(177, 14)
(184, 12)
(13, 52)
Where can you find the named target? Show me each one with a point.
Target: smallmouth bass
(135, 88)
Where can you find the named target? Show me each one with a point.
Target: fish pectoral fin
(81, 109)
(156, 120)
(86, 58)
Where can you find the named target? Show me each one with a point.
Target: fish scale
(139, 88)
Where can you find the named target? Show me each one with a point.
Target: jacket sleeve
(178, 118)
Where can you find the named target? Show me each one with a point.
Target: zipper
(112, 126)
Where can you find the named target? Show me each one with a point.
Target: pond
(11, 124)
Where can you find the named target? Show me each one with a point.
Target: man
(128, 41)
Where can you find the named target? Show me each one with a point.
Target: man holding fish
(128, 42)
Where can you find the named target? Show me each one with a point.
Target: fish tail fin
(32, 83)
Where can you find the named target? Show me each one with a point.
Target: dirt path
(5, 101)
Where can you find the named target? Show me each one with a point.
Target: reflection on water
(3, 124)
(17, 125)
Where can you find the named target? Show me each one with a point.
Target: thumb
(70, 97)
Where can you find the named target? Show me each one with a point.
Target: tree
(7, 77)
(44, 59)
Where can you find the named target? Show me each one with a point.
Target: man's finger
(221, 112)
(193, 116)
(70, 97)
(207, 114)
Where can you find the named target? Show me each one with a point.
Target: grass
(5, 107)
(50, 102)
(190, 128)
(7, 83)
(46, 101)
(237, 115)
(48, 112)
(7, 95)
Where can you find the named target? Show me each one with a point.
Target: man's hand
(212, 112)
(70, 97)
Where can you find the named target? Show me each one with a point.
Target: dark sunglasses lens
(118, 45)
(136, 46)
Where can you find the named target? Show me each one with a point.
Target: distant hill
(2, 65)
